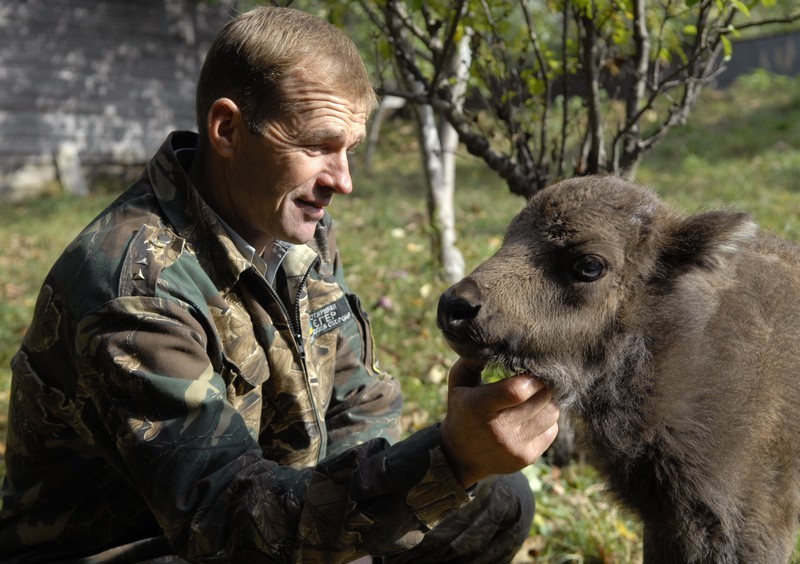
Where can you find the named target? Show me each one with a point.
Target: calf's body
(675, 343)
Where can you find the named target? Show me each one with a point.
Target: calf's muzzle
(457, 313)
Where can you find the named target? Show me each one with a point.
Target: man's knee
(489, 529)
(508, 507)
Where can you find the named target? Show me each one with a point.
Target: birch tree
(438, 144)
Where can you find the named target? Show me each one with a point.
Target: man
(199, 383)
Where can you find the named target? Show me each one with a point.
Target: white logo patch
(330, 317)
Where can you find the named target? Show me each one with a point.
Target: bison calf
(673, 341)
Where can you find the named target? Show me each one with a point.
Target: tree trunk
(443, 195)
(438, 144)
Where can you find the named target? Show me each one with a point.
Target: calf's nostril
(458, 305)
(460, 309)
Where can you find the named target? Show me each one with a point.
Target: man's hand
(495, 428)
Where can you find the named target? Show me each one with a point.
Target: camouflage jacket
(165, 395)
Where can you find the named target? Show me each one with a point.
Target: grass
(740, 149)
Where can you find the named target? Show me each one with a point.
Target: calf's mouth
(459, 319)
(461, 316)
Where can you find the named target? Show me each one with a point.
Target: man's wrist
(423, 475)
(465, 476)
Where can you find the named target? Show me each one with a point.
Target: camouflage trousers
(489, 530)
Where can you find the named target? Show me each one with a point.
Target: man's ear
(225, 125)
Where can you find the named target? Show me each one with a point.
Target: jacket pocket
(365, 329)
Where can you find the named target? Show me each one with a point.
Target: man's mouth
(311, 207)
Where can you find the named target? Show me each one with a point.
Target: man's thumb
(465, 372)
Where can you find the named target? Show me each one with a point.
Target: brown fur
(681, 361)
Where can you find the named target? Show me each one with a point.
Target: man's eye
(589, 268)
(315, 150)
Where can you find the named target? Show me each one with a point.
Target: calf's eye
(588, 268)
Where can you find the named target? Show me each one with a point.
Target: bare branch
(449, 43)
(700, 69)
(398, 9)
(504, 105)
(395, 23)
(633, 101)
(565, 90)
(592, 54)
(769, 21)
(543, 73)
(478, 145)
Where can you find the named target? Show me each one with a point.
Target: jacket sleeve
(366, 402)
(188, 453)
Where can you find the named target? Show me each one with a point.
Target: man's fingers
(538, 408)
(495, 428)
(511, 392)
(542, 441)
(546, 415)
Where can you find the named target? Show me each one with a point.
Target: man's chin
(301, 233)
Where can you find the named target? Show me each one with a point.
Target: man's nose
(338, 172)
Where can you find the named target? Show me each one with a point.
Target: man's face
(282, 180)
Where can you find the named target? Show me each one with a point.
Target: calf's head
(573, 293)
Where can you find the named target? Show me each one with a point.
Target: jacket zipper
(297, 337)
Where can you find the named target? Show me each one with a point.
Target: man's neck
(205, 175)
(272, 251)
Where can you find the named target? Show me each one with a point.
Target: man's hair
(250, 57)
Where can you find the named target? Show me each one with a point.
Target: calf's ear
(706, 240)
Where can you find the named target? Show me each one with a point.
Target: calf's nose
(458, 305)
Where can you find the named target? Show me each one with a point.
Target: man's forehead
(312, 93)
(329, 125)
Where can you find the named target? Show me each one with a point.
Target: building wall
(778, 53)
(100, 80)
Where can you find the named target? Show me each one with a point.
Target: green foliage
(629, 71)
